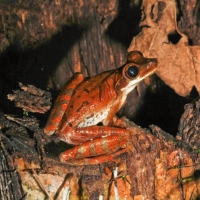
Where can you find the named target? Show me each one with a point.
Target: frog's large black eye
(132, 71)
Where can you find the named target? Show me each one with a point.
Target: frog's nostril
(154, 62)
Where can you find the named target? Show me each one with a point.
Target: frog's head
(134, 70)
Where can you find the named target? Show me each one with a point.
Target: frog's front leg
(61, 103)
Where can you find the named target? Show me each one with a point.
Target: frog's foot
(121, 122)
(115, 157)
(97, 149)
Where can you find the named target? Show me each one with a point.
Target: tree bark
(155, 165)
(10, 183)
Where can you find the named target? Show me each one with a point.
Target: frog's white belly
(95, 119)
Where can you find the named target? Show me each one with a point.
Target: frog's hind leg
(100, 150)
(77, 136)
(61, 103)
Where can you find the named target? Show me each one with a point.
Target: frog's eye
(132, 71)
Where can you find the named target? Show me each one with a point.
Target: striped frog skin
(85, 102)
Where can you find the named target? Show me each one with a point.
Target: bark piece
(188, 130)
(10, 184)
(189, 20)
(31, 99)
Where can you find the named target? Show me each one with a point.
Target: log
(154, 165)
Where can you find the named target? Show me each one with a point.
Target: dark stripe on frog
(100, 92)
(86, 90)
(85, 103)
(92, 115)
(86, 149)
(101, 89)
(113, 142)
(92, 150)
(80, 152)
(102, 146)
(65, 92)
(64, 118)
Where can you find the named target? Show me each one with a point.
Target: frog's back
(92, 100)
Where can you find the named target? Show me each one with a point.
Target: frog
(84, 113)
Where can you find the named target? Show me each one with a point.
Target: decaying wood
(189, 22)
(155, 166)
(31, 99)
(189, 125)
(10, 185)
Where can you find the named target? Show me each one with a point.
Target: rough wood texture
(189, 22)
(157, 166)
(189, 125)
(10, 184)
(154, 165)
(31, 99)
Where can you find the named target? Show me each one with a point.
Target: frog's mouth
(148, 69)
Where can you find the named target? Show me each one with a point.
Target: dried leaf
(179, 64)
